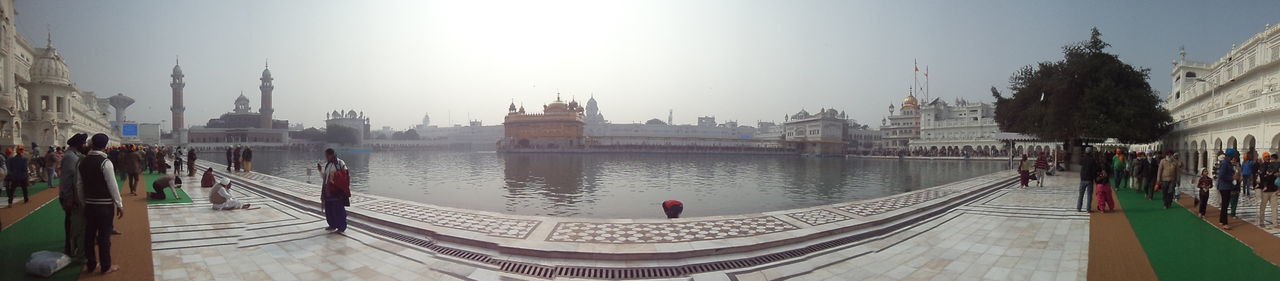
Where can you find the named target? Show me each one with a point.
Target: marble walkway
(1005, 234)
(1011, 234)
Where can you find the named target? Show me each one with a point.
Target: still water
(622, 185)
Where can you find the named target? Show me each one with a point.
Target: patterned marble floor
(1246, 209)
(1011, 234)
(277, 242)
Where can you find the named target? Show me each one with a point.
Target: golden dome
(910, 99)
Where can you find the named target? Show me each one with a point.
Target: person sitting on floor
(207, 180)
(162, 183)
(221, 197)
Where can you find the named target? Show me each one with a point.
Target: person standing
(102, 202)
(1042, 167)
(1267, 191)
(1088, 172)
(71, 197)
(131, 165)
(1118, 167)
(1167, 176)
(18, 177)
(177, 161)
(1248, 168)
(50, 162)
(229, 163)
(335, 212)
(248, 159)
(1024, 172)
(1238, 182)
(1106, 199)
(1203, 185)
(191, 162)
(1226, 186)
(236, 158)
(1139, 167)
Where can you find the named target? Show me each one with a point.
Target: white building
(863, 140)
(355, 126)
(38, 101)
(951, 129)
(1231, 102)
(707, 128)
(823, 133)
(899, 129)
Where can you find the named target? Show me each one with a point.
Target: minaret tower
(179, 127)
(266, 88)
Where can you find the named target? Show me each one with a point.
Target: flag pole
(926, 82)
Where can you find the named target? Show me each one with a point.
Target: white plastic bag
(45, 263)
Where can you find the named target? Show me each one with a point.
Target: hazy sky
(736, 60)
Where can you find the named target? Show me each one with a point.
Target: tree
(412, 134)
(1089, 93)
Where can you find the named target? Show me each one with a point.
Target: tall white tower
(266, 89)
(179, 126)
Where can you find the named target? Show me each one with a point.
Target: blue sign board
(129, 130)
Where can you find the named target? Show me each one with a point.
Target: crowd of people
(239, 158)
(89, 171)
(1234, 176)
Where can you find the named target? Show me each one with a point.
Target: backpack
(341, 186)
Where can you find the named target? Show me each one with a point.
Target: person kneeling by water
(673, 208)
(162, 183)
(221, 197)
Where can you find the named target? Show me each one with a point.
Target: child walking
(1102, 188)
(1203, 185)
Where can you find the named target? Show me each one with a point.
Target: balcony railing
(1269, 101)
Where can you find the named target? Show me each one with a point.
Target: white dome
(49, 68)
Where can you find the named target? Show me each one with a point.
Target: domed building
(559, 126)
(354, 126)
(39, 103)
(241, 125)
(825, 133)
(899, 129)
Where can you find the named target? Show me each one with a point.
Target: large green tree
(1089, 93)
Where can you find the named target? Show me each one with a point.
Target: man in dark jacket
(1088, 171)
(102, 202)
(235, 157)
(72, 198)
(1227, 188)
(191, 162)
(17, 177)
(229, 163)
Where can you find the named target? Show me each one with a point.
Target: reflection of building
(957, 129)
(354, 124)
(824, 133)
(558, 126)
(1227, 103)
(898, 130)
(38, 101)
(241, 124)
(559, 178)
